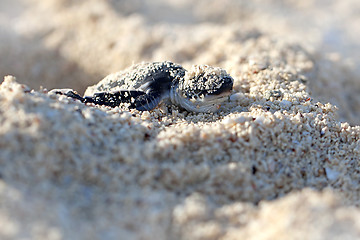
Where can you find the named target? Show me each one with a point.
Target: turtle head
(203, 89)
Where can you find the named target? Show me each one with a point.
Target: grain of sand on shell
(79, 171)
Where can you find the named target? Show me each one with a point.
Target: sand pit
(277, 161)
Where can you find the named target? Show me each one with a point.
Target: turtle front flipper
(114, 99)
(67, 92)
(148, 101)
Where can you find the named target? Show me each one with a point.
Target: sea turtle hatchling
(145, 85)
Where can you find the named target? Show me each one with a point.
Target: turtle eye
(226, 86)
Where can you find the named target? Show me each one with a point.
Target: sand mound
(276, 162)
(172, 172)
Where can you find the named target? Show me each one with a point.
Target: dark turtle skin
(145, 85)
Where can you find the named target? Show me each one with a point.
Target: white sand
(277, 162)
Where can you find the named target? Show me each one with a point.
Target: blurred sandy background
(71, 43)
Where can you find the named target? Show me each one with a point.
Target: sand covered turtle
(201, 89)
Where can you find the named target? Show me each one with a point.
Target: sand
(280, 160)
